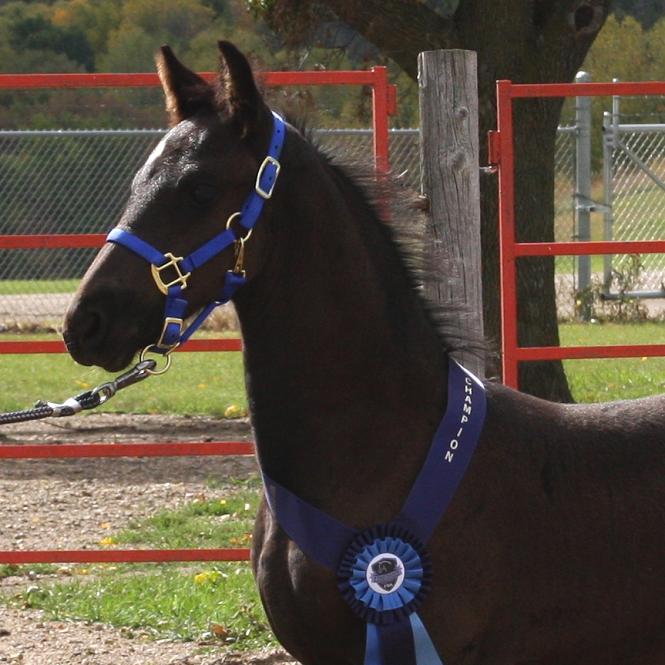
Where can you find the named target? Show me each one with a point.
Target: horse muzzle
(106, 329)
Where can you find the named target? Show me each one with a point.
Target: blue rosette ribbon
(384, 576)
(384, 572)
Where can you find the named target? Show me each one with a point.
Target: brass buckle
(268, 161)
(239, 267)
(167, 321)
(172, 262)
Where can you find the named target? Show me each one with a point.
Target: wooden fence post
(450, 181)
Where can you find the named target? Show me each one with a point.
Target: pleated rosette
(384, 574)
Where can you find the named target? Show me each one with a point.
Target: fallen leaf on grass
(218, 630)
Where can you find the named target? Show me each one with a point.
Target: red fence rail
(384, 104)
(503, 156)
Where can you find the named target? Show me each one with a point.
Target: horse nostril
(70, 341)
(86, 327)
(90, 331)
(93, 327)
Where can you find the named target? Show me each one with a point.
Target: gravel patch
(26, 638)
(75, 503)
(72, 504)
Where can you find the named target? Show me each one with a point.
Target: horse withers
(552, 551)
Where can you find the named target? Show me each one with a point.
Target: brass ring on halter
(230, 221)
(167, 356)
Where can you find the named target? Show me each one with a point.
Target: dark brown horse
(553, 549)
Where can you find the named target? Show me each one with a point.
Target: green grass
(13, 570)
(609, 379)
(225, 521)
(14, 287)
(187, 602)
(197, 383)
(164, 601)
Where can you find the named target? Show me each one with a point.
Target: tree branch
(394, 26)
(570, 31)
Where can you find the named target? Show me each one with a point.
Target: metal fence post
(609, 133)
(583, 189)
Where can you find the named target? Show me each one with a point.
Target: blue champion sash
(384, 572)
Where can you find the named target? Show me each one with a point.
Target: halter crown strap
(181, 267)
(383, 572)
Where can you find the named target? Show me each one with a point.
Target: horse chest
(301, 600)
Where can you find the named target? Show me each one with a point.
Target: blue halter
(181, 268)
(384, 572)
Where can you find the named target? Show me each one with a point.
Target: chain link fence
(54, 182)
(610, 185)
(564, 215)
(634, 202)
(355, 144)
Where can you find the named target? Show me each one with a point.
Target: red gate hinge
(493, 149)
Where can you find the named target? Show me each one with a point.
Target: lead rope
(172, 334)
(83, 401)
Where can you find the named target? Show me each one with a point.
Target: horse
(552, 550)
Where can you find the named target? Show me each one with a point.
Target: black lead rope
(83, 401)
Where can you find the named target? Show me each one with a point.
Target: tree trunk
(535, 126)
(541, 41)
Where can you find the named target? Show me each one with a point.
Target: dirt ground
(74, 503)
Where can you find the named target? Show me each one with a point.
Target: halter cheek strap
(171, 272)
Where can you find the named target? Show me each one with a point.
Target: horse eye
(203, 194)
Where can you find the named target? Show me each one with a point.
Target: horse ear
(237, 89)
(185, 92)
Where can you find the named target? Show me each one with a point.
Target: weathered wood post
(450, 180)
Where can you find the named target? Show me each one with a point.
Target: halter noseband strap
(180, 268)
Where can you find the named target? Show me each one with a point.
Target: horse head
(191, 187)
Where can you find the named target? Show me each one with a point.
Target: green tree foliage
(647, 12)
(145, 24)
(115, 36)
(123, 35)
(39, 34)
(118, 35)
(31, 42)
(628, 51)
(96, 19)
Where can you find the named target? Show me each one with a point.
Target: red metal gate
(383, 104)
(503, 157)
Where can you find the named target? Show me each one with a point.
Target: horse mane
(394, 209)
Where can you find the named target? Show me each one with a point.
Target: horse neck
(345, 371)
